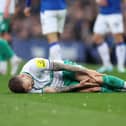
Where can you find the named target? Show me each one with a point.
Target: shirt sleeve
(39, 64)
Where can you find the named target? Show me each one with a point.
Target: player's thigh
(116, 23)
(100, 26)
(49, 22)
(61, 20)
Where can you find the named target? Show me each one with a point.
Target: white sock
(3, 67)
(120, 55)
(104, 53)
(55, 52)
(125, 84)
(15, 61)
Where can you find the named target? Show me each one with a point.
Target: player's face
(27, 82)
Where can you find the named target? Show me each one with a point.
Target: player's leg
(50, 28)
(120, 52)
(96, 89)
(112, 81)
(15, 62)
(54, 46)
(3, 66)
(8, 54)
(117, 28)
(4, 56)
(100, 29)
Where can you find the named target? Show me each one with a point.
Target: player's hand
(86, 83)
(93, 74)
(27, 11)
(82, 83)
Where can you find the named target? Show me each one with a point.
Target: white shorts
(109, 23)
(53, 21)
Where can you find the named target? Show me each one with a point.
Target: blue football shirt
(50, 4)
(114, 6)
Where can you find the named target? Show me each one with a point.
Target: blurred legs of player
(15, 62)
(7, 54)
(52, 26)
(54, 46)
(120, 52)
(104, 53)
(3, 67)
(107, 24)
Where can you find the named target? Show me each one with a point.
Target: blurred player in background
(7, 54)
(52, 15)
(7, 9)
(110, 19)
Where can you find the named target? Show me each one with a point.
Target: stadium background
(75, 41)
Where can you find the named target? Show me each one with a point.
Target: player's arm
(6, 9)
(61, 66)
(102, 2)
(47, 89)
(72, 88)
(27, 8)
(39, 64)
(80, 87)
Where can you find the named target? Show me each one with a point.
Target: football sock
(103, 51)
(55, 51)
(113, 81)
(106, 90)
(15, 61)
(3, 67)
(120, 54)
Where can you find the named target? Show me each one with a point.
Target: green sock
(106, 90)
(113, 81)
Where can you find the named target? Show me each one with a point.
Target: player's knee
(97, 39)
(118, 38)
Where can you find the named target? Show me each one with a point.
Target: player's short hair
(16, 85)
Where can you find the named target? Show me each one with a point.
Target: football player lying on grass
(41, 75)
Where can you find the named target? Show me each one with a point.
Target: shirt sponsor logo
(41, 63)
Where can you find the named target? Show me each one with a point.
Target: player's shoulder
(39, 62)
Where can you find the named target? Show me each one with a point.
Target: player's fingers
(83, 81)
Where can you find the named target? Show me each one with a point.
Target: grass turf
(75, 109)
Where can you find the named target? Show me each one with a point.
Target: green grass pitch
(68, 109)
